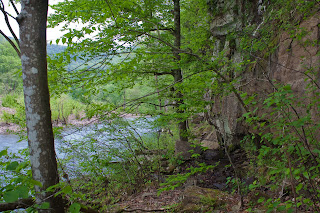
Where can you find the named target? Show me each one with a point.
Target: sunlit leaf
(75, 208)
(12, 166)
(11, 196)
(45, 205)
(3, 152)
(23, 191)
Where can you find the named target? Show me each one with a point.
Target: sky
(52, 33)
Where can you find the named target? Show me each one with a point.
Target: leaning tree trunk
(182, 145)
(32, 22)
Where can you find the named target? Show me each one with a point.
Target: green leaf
(299, 187)
(36, 183)
(45, 205)
(307, 201)
(12, 166)
(281, 208)
(289, 205)
(75, 208)
(314, 150)
(287, 87)
(68, 57)
(3, 152)
(67, 189)
(23, 191)
(11, 196)
(261, 199)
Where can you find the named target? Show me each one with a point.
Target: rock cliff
(294, 61)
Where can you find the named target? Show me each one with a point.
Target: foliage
(147, 59)
(175, 181)
(16, 178)
(286, 124)
(290, 152)
(112, 160)
(10, 69)
(15, 102)
(64, 106)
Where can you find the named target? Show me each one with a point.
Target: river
(11, 142)
(78, 147)
(84, 150)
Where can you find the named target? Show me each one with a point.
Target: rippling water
(77, 145)
(11, 142)
(78, 134)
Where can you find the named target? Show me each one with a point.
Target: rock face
(295, 62)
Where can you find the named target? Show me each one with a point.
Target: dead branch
(22, 203)
(142, 210)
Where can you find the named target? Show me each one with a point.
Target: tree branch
(11, 43)
(156, 37)
(8, 23)
(114, 17)
(14, 7)
(157, 73)
(158, 105)
(162, 29)
(142, 210)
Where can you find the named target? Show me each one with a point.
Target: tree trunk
(158, 92)
(124, 99)
(32, 22)
(182, 146)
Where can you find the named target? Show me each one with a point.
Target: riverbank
(72, 120)
(7, 128)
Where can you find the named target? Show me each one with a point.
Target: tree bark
(182, 146)
(32, 23)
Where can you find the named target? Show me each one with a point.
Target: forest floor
(203, 192)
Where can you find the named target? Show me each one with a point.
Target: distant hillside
(54, 49)
(51, 48)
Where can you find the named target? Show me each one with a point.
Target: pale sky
(52, 34)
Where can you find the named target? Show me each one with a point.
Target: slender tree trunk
(124, 99)
(182, 146)
(32, 21)
(158, 92)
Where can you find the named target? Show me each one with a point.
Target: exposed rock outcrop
(295, 62)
